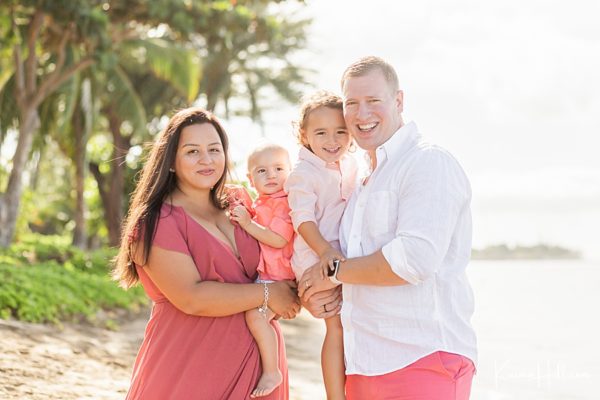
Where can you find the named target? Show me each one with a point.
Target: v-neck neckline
(234, 252)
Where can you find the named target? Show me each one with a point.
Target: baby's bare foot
(267, 383)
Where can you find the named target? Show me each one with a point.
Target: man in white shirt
(406, 233)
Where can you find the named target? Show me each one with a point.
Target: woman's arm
(257, 231)
(176, 276)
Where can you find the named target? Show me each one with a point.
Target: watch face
(330, 270)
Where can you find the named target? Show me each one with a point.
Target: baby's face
(268, 171)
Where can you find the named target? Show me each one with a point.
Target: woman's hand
(283, 299)
(324, 304)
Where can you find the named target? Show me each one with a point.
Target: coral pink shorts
(438, 376)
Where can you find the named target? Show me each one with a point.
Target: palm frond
(169, 61)
(128, 104)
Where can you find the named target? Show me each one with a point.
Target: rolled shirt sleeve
(429, 207)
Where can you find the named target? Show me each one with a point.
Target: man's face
(372, 109)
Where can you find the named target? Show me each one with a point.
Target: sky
(511, 88)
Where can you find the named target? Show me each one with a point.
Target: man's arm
(367, 270)
(373, 269)
(433, 198)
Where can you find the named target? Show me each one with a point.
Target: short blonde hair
(364, 65)
(266, 147)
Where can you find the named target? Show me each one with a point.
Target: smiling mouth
(367, 127)
(206, 171)
(332, 151)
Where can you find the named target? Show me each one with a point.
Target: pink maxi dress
(189, 357)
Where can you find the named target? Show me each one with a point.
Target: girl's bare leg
(332, 360)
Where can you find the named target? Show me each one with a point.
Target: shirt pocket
(381, 213)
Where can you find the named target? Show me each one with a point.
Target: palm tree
(39, 36)
(111, 101)
(143, 63)
(53, 42)
(256, 46)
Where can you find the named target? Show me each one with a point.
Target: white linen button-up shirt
(415, 206)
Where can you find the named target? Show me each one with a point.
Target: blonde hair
(364, 65)
(266, 147)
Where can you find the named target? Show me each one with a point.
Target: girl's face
(325, 134)
(200, 159)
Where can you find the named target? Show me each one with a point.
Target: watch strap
(333, 278)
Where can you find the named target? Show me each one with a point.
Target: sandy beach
(535, 344)
(79, 361)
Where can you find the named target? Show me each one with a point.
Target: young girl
(318, 187)
(268, 168)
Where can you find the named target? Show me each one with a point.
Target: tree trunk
(117, 182)
(11, 199)
(111, 190)
(38, 159)
(79, 233)
(31, 88)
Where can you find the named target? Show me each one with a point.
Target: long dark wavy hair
(155, 185)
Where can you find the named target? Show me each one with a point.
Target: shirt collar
(307, 155)
(402, 140)
(312, 158)
(275, 195)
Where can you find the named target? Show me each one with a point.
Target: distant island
(537, 252)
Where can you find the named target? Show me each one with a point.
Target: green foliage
(140, 59)
(44, 279)
(36, 248)
(167, 60)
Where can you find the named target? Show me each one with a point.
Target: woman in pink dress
(198, 268)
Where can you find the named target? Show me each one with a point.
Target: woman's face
(200, 158)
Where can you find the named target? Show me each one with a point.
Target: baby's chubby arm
(264, 235)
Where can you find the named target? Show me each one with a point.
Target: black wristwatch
(332, 273)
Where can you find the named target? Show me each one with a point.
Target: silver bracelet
(265, 307)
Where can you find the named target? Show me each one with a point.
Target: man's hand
(324, 304)
(312, 282)
(241, 215)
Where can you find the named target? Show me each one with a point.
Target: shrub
(45, 279)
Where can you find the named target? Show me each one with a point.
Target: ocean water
(538, 328)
